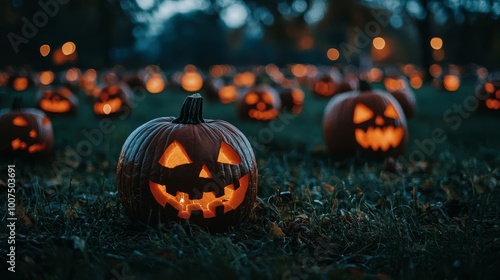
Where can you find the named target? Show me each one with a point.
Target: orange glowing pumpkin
(261, 103)
(400, 89)
(330, 83)
(187, 168)
(488, 93)
(112, 99)
(451, 82)
(365, 122)
(191, 81)
(25, 131)
(219, 89)
(20, 82)
(57, 100)
(292, 99)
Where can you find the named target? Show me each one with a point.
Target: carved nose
(205, 173)
(379, 120)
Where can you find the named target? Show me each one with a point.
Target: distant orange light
(190, 68)
(451, 82)
(244, 79)
(482, 72)
(46, 77)
(20, 83)
(438, 55)
(217, 71)
(306, 43)
(435, 70)
(436, 43)
(416, 82)
(489, 87)
(378, 43)
(333, 54)
(299, 70)
(72, 74)
(68, 48)
(375, 75)
(44, 50)
(155, 84)
(192, 81)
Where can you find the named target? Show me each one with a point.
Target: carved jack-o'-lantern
(58, 100)
(25, 131)
(112, 99)
(20, 82)
(292, 98)
(187, 168)
(400, 89)
(260, 103)
(331, 83)
(489, 93)
(365, 122)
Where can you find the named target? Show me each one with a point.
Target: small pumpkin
(261, 103)
(400, 89)
(489, 93)
(291, 96)
(57, 100)
(187, 168)
(330, 83)
(112, 99)
(25, 131)
(20, 82)
(365, 122)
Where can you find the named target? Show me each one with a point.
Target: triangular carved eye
(251, 98)
(391, 112)
(20, 121)
(361, 113)
(228, 155)
(174, 155)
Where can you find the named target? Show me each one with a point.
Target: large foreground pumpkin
(365, 122)
(187, 168)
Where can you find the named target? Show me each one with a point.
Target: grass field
(316, 217)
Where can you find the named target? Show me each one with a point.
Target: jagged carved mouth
(207, 204)
(381, 138)
(55, 106)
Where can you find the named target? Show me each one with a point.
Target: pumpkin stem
(364, 86)
(17, 104)
(192, 110)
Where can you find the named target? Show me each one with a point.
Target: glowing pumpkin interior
(377, 135)
(174, 156)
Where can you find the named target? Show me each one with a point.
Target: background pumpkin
(57, 100)
(489, 93)
(187, 168)
(112, 99)
(366, 122)
(400, 89)
(25, 131)
(260, 103)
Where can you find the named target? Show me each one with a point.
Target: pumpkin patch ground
(431, 212)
